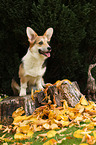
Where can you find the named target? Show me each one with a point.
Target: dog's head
(39, 45)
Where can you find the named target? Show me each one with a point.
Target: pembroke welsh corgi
(31, 69)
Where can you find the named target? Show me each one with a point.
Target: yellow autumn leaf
(18, 130)
(18, 112)
(40, 121)
(51, 114)
(72, 115)
(54, 126)
(94, 133)
(24, 122)
(90, 139)
(30, 134)
(50, 142)
(33, 119)
(78, 134)
(19, 118)
(64, 123)
(58, 117)
(78, 106)
(51, 133)
(64, 118)
(24, 129)
(5, 143)
(46, 126)
(87, 120)
(43, 135)
(89, 107)
(94, 119)
(78, 118)
(58, 83)
(0, 126)
(37, 91)
(65, 104)
(39, 128)
(90, 125)
(19, 136)
(92, 103)
(83, 101)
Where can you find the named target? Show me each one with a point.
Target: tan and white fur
(31, 69)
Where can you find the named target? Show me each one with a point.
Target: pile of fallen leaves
(56, 120)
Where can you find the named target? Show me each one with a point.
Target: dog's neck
(32, 58)
(32, 65)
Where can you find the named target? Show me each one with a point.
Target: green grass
(34, 141)
(70, 141)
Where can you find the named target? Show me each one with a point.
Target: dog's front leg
(23, 89)
(39, 83)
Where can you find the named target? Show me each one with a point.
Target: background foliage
(73, 42)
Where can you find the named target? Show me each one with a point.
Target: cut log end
(51, 94)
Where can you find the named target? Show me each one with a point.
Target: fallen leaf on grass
(43, 135)
(50, 142)
(18, 119)
(60, 140)
(20, 136)
(5, 143)
(1, 127)
(7, 129)
(51, 133)
(61, 130)
(54, 126)
(94, 133)
(44, 139)
(30, 134)
(28, 143)
(78, 134)
(9, 139)
(90, 139)
(23, 129)
(46, 126)
(52, 117)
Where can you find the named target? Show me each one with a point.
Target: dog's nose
(49, 48)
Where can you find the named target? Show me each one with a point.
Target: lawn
(35, 140)
(50, 125)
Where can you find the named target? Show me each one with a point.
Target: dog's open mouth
(47, 54)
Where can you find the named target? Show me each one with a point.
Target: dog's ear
(49, 33)
(31, 34)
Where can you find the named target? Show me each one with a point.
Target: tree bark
(54, 93)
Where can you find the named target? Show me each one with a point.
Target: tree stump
(55, 93)
(10, 104)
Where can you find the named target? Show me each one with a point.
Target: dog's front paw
(22, 92)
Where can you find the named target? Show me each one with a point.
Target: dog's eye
(41, 42)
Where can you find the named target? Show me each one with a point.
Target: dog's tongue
(47, 54)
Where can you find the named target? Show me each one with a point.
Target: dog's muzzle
(47, 53)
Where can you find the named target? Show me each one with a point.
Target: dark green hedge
(73, 42)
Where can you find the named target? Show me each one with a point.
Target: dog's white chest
(33, 66)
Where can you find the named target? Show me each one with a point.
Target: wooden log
(10, 104)
(54, 93)
(67, 90)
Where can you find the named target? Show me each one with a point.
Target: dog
(31, 69)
